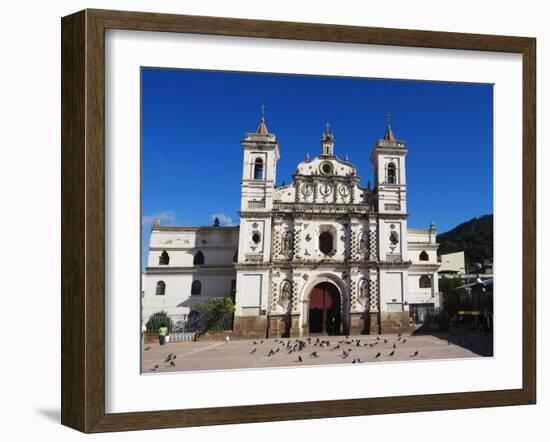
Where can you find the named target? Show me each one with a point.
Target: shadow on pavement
(476, 341)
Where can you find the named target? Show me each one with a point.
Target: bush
(155, 321)
(216, 313)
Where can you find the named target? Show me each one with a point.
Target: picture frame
(83, 220)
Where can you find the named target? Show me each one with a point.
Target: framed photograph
(268, 221)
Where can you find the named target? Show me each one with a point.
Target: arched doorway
(324, 309)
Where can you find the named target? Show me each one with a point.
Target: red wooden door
(324, 309)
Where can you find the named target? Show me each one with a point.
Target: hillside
(474, 236)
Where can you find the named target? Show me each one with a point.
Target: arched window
(424, 256)
(258, 169)
(325, 243)
(286, 290)
(161, 288)
(164, 258)
(198, 259)
(286, 242)
(425, 282)
(391, 176)
(196, 288)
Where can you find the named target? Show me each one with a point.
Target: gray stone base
(250, 327)
(365, 323)
(283, 326)
(394, 322)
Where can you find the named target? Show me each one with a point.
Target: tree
(452, 301)
(216, 313)
(156, 319)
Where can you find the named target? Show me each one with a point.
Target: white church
(322, 255)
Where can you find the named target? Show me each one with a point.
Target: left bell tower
(260, 156)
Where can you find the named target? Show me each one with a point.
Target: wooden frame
(83, 220)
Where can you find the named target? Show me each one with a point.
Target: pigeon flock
(325, 350)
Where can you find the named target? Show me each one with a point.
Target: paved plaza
(322, 350)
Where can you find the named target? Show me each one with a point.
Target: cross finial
(328, 127)
(263, 107)
(388, 116)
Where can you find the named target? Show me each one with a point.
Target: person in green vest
(163, 331)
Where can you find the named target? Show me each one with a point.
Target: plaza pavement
(239, 354)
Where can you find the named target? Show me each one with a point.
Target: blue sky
(192, 122)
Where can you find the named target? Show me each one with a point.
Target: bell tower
(260, 156)
(388, 159)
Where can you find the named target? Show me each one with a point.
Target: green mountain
(475, 237)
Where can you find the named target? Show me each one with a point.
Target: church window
(164, 258)
(258, 169)
(198, 259)
(325, 243)
(425, 282)
(286, 242)
(256, 237)
(391, 176)
(394, 237)
(161, 288)
(326, 168)
(424, 256)
(196, 287)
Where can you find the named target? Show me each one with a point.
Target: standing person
(163, 331)
(143, 331)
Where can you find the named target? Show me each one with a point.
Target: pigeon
(358, 343)
(385, 341)
(277, 351)
(337, 347)
(314, 355)
(155, 368)
(404, 340)
(174, 357)
(392, 353)
(271, 353)
(299, 358)
(147, 348)
(353, 362)
(377, 355)
(359, 361)
(344, 354)
(414, 354)
(252, 351)
(399, 334)
(262, 341)
(172, 363)
(394, 346)
(227, 339)
(254, 342)
(378, 338)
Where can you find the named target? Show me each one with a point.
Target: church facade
(322, 255)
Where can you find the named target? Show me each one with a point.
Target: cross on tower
(328, 128)
(263, 107)
(388, 115)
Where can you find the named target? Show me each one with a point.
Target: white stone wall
(177, 299)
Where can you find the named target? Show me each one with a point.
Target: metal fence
(188, 327)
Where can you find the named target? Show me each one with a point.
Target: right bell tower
(388, 159)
